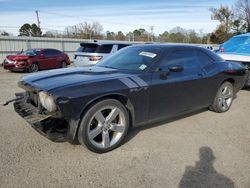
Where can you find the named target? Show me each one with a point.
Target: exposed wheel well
(122, 99)
(231, 80)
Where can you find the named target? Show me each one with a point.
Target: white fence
(13, 45)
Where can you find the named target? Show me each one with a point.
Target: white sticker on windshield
(142, 67)
(148, 54)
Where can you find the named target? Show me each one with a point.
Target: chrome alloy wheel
(33, 68)
(106, 127)
(226, 98)
(64, 64)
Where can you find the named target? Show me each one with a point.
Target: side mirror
(176, 68)
(163, 73)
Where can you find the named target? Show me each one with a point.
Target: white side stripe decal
(128, 82)
(139, 81)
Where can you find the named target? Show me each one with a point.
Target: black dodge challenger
(139, 84)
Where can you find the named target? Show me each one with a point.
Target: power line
(84, 18)
(109, 22)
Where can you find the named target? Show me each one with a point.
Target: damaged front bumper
(52, 126)
(14, 67)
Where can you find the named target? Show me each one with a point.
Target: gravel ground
(203, 150)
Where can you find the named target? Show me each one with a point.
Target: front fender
(75, 123)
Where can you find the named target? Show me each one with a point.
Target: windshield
(132, 58)
(30, 52)
(237, 45)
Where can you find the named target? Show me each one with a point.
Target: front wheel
(33, 67)
(104, 126)
(223, 99)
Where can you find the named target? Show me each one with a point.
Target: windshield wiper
(106, 66)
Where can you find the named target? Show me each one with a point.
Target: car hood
(17, 57)
(54, 79)
(235, 57)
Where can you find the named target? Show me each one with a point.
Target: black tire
(33, 68)
(220, 98)
(247, 84)
(63, 64)
(84, 131)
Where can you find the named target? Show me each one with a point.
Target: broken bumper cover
(15, 66)
(53, 128)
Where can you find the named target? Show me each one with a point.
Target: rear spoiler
(83, 44)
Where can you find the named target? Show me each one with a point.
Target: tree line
(232, 21)
(94, 30)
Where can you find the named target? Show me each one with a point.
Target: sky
(113, 15)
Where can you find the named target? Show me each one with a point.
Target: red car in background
(33, 60)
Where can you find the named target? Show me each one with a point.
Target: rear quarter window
(212, 55)
(204, 59)
(56, 52)
(52, 52)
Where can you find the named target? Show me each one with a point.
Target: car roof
(40, 49)
(35, 49)
(169, 45)
(176, 46)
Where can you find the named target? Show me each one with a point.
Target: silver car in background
(89, 53)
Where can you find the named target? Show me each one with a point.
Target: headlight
(47, 101)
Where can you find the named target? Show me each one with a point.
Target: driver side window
(46, 53)
(185, 58)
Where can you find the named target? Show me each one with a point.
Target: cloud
(163, 16)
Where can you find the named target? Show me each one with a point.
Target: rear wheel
(223, 99)
(247, 84)
(104, 126)
(63, 64)
(33, 67)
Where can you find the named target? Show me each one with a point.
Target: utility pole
(201, 35)
(67, 31)
(37, 17)
(152, 33)
(75, 31)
